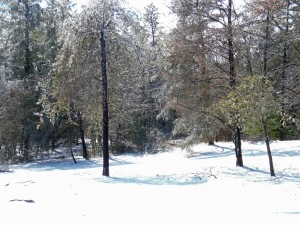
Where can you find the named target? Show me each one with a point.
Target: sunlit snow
(200, 186)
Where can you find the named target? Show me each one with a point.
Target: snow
(200, 186)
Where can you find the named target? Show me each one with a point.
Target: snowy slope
(199, 187)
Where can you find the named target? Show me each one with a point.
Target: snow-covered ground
(201, 186)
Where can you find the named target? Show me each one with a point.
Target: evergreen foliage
(218, 72)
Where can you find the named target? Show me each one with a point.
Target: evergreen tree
(23, 45)
(26, 61)
(203, 66)
(151, 17)
(104, 39)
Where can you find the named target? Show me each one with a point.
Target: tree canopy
(219, 74)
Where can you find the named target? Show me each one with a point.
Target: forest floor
(179, 187)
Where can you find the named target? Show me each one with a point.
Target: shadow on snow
(68, 164)
(218, 152)
(174, 179)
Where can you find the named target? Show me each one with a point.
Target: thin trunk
(27, 73)
(153, 33)
(94, 142)
(27, 66)
(81, 131)
(53, 136)
(232, 74)
(285, 48)
(72, 154)
(25, 148)
(105, 121)
(285, 63)
(230, 46)
(238, 147)
(248, 56)
(55, 132)
(264, 124)
(266, 47)
(53, 139)
(265, 68)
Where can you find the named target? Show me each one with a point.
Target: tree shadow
(255, 170)
(286, 175)
(174, 179)
(286, 153)
(216, 153)
(68, 164)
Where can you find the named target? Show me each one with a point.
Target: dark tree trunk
(53, 138)
(72, 154)
(282, 79)
(264, 124)
(28, 67)
(153, 35)
(26, 148)
(230, 46)
(266, 47)
(237, 130)
(94, 141)
(238, 147)
(81, 131)
(53, 135)
(265, 67)
(105, 137)
(55, 132)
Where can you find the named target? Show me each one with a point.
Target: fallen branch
(207, 174)
(22, 200)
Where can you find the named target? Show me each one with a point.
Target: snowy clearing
(202, 186)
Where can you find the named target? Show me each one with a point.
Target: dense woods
(112, 80)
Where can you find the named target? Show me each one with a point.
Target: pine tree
(204, 66)
(23, 19)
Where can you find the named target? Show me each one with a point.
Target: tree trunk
(283, 74)
(153, 35)
(72, 154)
(264, 124)
(266, 47)
(237, 130)
(105, 137)
(238, 147)
(53, 139)
(230, 46)
(53, 136)
(28, 66)
(26, 148)
(81, 131)
(94, 142)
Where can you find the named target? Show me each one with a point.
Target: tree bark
(72, 154)
(105, 121)
(28, 65)
(266, 47)
(81, 131)
(53, 133)
(230, 46)
(232, 74)
(265, 71)
(284, 68)
(238, 147)
(264, 124)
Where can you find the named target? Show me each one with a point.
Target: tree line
(115, 77)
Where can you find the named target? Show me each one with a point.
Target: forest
(113, 80)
